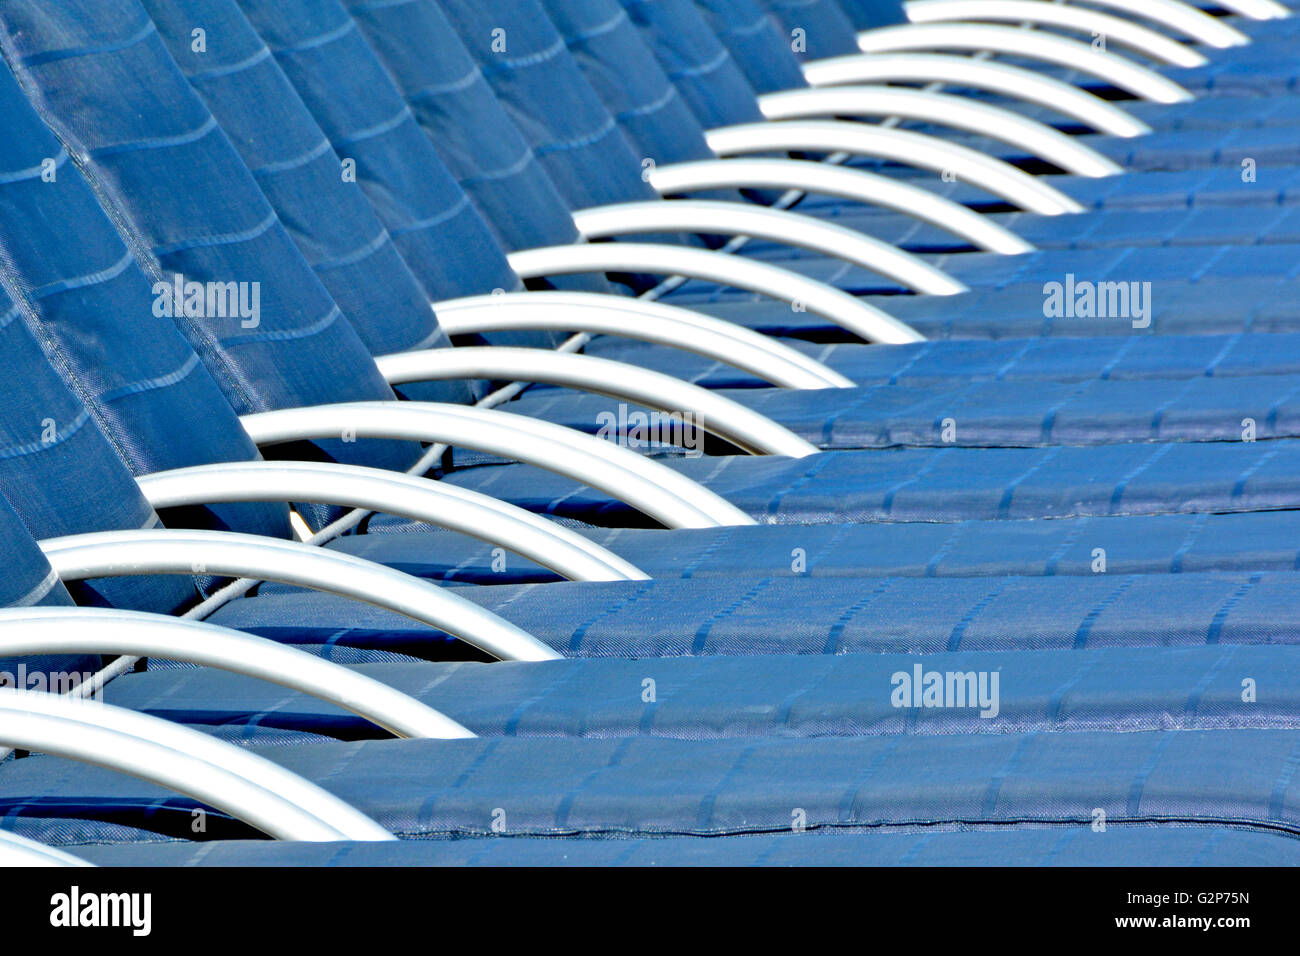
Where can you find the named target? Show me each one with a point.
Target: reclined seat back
(761, 47)
(455, 107)
(26, 580)
(187, 205)
(711, 82)
(101, 387)
(366, 235)
(320, 199)
(824, 29)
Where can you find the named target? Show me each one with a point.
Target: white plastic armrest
(900, 146)
(230, 778)
(64, 630)
(857, 185)
(714, 413)
(548, 543)
(643, 320)
(17, 850)
(1005, 79)
(713, 217)
(647, 485)
(1257, 9)
(118, 553)
(944, 109)
(1182, 18)
(1091, 23)
(1119, 72)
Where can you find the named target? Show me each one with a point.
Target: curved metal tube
(962, 71)
(17, 850)
(897, 145)
(250, 788)
(117, 553)
(1257, 9)
(1142, 82)
(548, 543)
(1122, 32)
(944, 109)
(857, 185)
(713, 217)
(644, 320)
(64, 630)
(844, 310)
(744, 427)
(1182, 18)
(646, 485)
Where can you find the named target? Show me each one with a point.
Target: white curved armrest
(1179, 17)
(85, 630)
(17, 850)
(1142, 82)
(714, 413)
(118, 553)
(1037, 139)
(647, 485)
(1116, 30)
(712, 217)
(900, 146)
(858, 185)
(866, 321)
(1257, 9)
(1007, 80)
(644, 320)
(250, 788)
(549, 543)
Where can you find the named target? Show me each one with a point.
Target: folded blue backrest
(84, 301)
(762, 49)
(187, 205)
(825, 29)
(56, 467)
(710, 81)
(525, 59)
(26, 580)
(343, 93)
(623, 70)
(457, 110)
(867, 14)
(316, 195)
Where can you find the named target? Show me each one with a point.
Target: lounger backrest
(188, 206)
(825, 28)
(341, 92)
(526, 61)
(26, 580)
(58, 471)
(318, 198)
(623, 71)
(866, 14)
(759, 44)
(710, 81)
(100, 387)
(458, 111)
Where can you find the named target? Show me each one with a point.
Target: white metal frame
(1111, 68)
(866, 321)
(645, 484)
(161, 551)
(714, 413)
